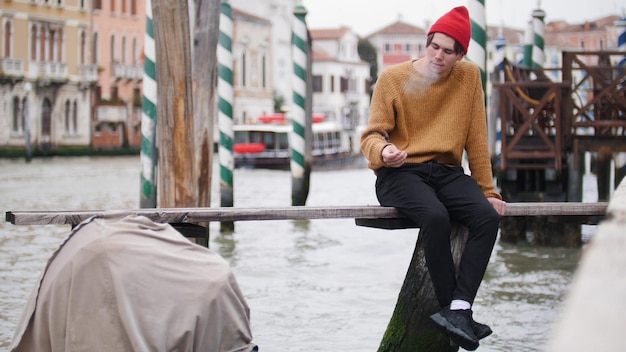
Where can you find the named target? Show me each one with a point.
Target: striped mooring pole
(225, 104)
(477, 52)
(149, 155)
(300, 166)
(539, 28)
(528, 45)
(500, 44)
(620, 24)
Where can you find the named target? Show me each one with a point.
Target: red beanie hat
(455, 24)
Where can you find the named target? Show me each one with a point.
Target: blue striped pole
(620, 24)
(539, 28)
(225, 103)
(478, 47)
(148, 155)
(300, 167)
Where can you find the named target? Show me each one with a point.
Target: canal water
(319, 285)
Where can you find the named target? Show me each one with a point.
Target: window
(343, 85)
(123, 58)
(332, 84)
(33, 43)
(264, 71)
(114, 92)
(97, 4)
(42, 44)
(112, 6)
(74, 116)
(317, 84)
(133, 7)
(16, 124)
(123, 9)
(94, 48)
(243, 69)
(66, 117)
(7, 39)
(112, 48)
(135, 57)
(408, 47)
(387, 47)
(82, 48)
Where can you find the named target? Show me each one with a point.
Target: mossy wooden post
(410, 327)
(177, 185)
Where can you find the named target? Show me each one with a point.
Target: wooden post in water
(410, 327)
(177, 184)
(204, 67)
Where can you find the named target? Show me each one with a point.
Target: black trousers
(431, 194)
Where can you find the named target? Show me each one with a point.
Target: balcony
(128, 72)
(11, 66)
(49, 70)
(112, 113)
(88, 73)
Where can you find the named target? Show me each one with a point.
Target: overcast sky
(368, 16)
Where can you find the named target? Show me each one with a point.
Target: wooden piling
(177, 186)
(410, 327)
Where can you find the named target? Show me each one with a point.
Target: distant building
(341, 80)
(252, 67)
(398, 42)
(118, 28)
(45, 74)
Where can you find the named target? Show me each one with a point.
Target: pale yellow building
(45, 74)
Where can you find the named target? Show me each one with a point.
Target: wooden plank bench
(367, 215)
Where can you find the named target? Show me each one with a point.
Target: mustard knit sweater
(431, 121)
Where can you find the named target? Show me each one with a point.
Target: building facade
(45, 74)
(118, 29)
(341, 80)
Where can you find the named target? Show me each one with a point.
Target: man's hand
(393, 157)
(498, 205)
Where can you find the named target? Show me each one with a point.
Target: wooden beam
(195, 215)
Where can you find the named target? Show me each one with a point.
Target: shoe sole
(456, 335)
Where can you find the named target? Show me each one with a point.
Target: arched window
(75, 116)
(123, 47)
(66, 116)
(94, 49)
(134, 52)
(7, 39)
(83, 48)
(112, 47)
(33, 43)
(59, 42)
(42, 44)
(15, 123)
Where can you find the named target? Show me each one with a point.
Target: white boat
(266, 144)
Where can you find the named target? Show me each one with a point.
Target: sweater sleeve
(477, 146)
(382, 119)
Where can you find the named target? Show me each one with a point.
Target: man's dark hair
(457, 47)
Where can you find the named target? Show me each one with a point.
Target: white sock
(457, 304)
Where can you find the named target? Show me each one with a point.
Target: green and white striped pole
(528, 44)
(539, 28)
(149, 155)
(478, 46)
(225, 103)
(300, 166)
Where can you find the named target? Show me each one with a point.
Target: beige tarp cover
(129, 284)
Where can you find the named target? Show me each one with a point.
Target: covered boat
(129, 284)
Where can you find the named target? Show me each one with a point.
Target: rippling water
(321, 285)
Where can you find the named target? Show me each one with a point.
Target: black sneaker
(481, 330)
(458, 324)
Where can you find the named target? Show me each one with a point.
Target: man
(424, 114)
